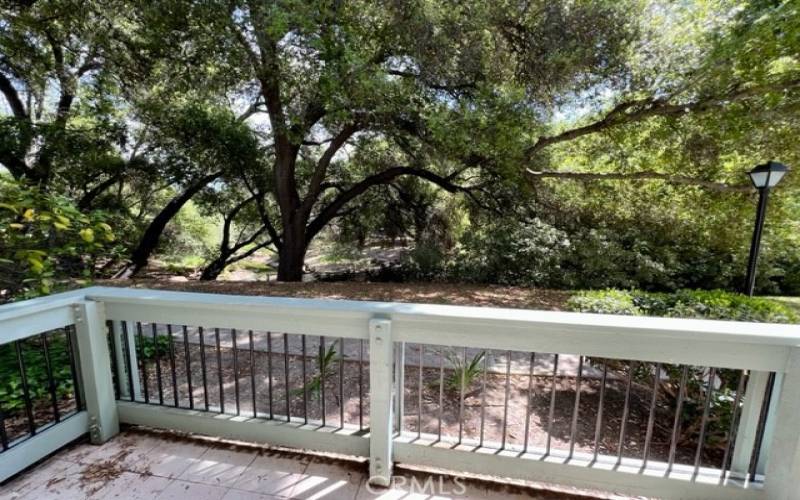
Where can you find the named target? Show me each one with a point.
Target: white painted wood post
(120, 349)
(748, 423)
(95, 367)
(381, 360)
(399, 384)
(769, 426)
(783, 464)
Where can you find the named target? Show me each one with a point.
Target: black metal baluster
(651, 416)
(286, 376)
(203, 365)
(143, 362)
(219, 372)
(735, 414)
(505, 401)
(126, 346)
(341, 382)
(186, 355)
(305, 379)
(3, 434)
(25, 389)
(51, 382)
(676, 426)
(112, 351)
(483, 396)
(441, 391)
(551, 415)
(419, 402)
(361, 384)
(762, 422)
(253, 372)
(322, 377)
(576, 410)
(158, 363)
(625, 411)
(598, 426)
(529, 403)
(269, 374)
(704, 420)
(172, 366)
(461, 397)
(235, 370)
(73, 367)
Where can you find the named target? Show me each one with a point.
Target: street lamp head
(767, 175)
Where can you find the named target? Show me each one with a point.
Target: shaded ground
(426, 293)
(347, 380)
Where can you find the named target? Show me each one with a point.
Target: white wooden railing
(107, 371)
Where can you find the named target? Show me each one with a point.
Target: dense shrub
(711, 304)
(11, 389)
(45, 238)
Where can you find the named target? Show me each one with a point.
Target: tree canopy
(287, 120)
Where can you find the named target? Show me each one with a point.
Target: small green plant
(463, 372)
(325, 361)
(147, 347)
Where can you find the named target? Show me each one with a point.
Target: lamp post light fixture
(764, 178)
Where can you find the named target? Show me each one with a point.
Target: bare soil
(425, 293)
(346, 399)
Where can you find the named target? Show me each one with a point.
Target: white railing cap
(737, 331)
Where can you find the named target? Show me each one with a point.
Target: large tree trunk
(149, 241)
(214, 268)
(290, 263)
(292, 254)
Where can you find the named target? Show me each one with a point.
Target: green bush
(148, 348)
(709, 304)
(11, 391)
(44, 238)
(609, 301)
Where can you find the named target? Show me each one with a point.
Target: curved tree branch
(645, 175)
(333, 208)
(641, 109)
(12, 97)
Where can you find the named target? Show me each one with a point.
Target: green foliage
(710, 304)
(609, 301)
(11, 392)
(189, 233)
(148, 348)
(44, 238)
(325, 362)
(465, 372)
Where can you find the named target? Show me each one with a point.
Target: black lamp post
(764, 177)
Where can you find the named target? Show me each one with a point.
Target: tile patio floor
(144, 465)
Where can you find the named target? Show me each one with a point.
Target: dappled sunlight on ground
(430, 293)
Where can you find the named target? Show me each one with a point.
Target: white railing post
(122, 361)
(783, 464)
(748, 423)
(399, 384)
(95, 369)
(380, 385)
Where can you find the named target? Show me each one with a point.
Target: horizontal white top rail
(730, 344)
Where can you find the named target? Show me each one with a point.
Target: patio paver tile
(182, 490)
(273, 475)
(219, 467)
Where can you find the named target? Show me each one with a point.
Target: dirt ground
(346, 398)
(426, 293)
